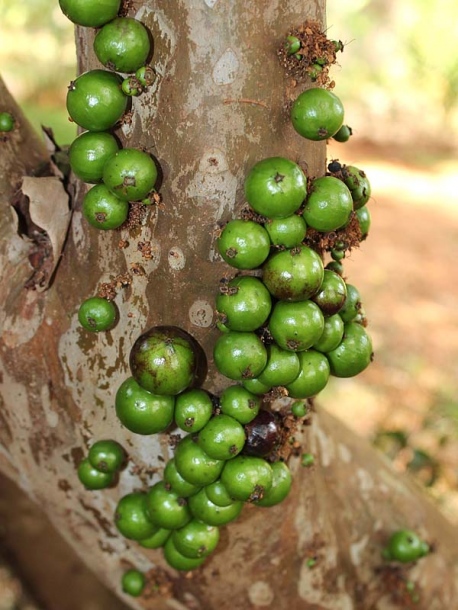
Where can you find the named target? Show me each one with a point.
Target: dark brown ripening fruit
(262, 434)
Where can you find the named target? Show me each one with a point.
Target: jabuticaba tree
(219, 104)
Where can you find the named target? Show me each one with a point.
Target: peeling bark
(220, 104)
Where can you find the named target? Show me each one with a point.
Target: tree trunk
(218, 106)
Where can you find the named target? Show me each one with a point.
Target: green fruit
(178, 561)
(332, 293)
(133, 583)
(364, 219)
(89, 13)
(218, 494)
(196, 539)
(344, 134)
(332, 334)
(359, 185)
(281, 485)
(165, 360)
(243, 244)
(96, 314)
(222, 438)
(141, 411)
(194, 464)
(247, 478)
(175, 482)
(130, 174)
(405, 546)
(156, 540)
(95, 100)
(193, 409)
(89, 152)
(239, 355)
(122, 45)
(239, 403)
(131, 86)
(6, 122)
(296, 326)
(145, 75)
(353, 354)
(275, 187)
(282, 367)
(92, 478)
(132, 518)
(292, 45)
(352, 304)
(165, 508)
(255, 386)
(293, 275)
(329, 204)
(299, 409)
(313, 375)
(205, 510)
(317, 114)
(103, 210)
(245, 304)
(288, 232)
(107, 456)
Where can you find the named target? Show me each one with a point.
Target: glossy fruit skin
(332, 334)
(239, 403)
(107, 456)
(263, 434)
(275, 187)
(405, 546)
(145, 75)
(95, 100)
(364, 218)
(313, 376)
(133, 583)
(6, 122)
(239, 355)
(165, 508)
(178, 561)
(332, 293)
(288, 232)
(89, 13)
(317, 114)
(193, 409)
(353, 354)
(103, 210)
(246, 478)
(196, 539)
(296, 326)
(132, 518)
(130, 174)
(164, 360)
(281, 485)
(344, 134)
(194, 465)
(293, 275)
(141, 411)
(218, 494)
(156, 540)
(222, 438)
(359, 185)
(175, 482)
(329, 204)
(205, 510)
(92, 478)
(282, 367)
(89, 152)
(255, 386)
(299, 409)
(97, 314)
(243, 244)
(352, 305)
(123, 44)
(245, 304)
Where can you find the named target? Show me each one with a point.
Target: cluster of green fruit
(217, 466)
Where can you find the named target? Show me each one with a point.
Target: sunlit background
(398, 79)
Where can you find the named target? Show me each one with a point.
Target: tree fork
(321, 549)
